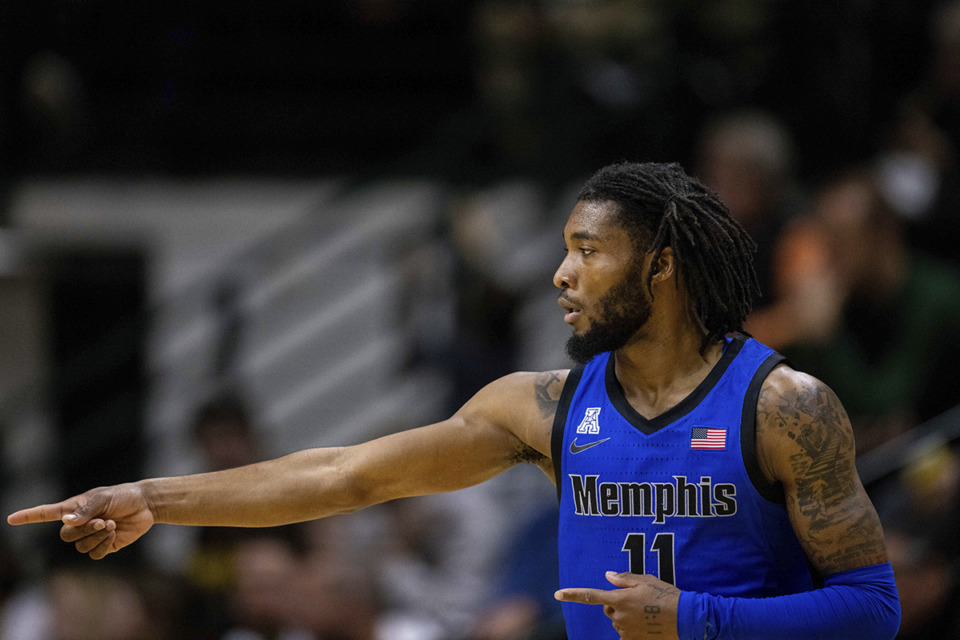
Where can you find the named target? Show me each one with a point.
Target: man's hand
(98, 522)
(643, 608)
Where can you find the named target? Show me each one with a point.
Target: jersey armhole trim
(771, 491)
(560, 421)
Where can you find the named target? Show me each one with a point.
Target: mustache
(567, 302)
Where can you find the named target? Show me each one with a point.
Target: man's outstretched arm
(507, 422)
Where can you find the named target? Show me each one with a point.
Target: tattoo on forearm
(866, 530)
(548, 388)
(838, 520)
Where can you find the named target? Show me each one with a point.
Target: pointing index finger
(584, 596)
(42, 513)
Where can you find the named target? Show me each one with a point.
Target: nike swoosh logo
(580, 448)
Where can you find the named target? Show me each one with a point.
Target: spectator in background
(748, 159)
(863, 311)
(18, 597)
(921, 515)
(486, 304)
(463, 295)
(224, 432)
(919, 178)
(332, 593)
(939, 94)
(435, 562)
(259, 597)
(291, 583)
(290, 587)
(89, 603)
(926, 581)
(225, 436)
(523, 607)
(919, 164)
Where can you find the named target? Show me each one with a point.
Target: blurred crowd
(857, 258)
(436, 568)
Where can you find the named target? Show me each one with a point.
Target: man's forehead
(592, 221)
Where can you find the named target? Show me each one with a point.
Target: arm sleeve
(859, 604)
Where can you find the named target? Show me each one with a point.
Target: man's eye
(586, 250)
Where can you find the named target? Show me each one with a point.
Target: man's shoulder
(524, 392)
(784, 384)
(792, 400)
(544, 387)
(548, 379)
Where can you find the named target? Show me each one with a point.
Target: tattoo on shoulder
(839, 521)
(547, 387)
(813, 402)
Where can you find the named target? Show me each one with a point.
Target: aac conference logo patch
(589, 425)
(591, 421)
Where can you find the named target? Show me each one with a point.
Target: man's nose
(564, 278)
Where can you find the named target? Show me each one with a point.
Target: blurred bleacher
(291, 291)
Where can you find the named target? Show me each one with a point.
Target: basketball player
(707, 490)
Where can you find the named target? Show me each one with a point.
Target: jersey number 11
(636, 547)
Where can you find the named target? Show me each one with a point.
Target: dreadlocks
(661, 206)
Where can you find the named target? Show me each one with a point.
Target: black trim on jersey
(560, 420)
(682, 408)
(772, 491)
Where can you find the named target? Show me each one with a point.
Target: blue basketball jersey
(679, 496)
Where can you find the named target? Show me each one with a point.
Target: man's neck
(659, 371)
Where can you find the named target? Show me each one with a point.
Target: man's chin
(583, 347)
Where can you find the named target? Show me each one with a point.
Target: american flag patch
(708, 438)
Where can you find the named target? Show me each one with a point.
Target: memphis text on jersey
(659, 500)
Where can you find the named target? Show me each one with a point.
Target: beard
(624, 309)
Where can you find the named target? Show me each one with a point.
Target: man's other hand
(642, 608)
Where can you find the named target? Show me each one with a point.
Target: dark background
(292, 87)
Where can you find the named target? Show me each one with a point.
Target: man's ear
(665, 267)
